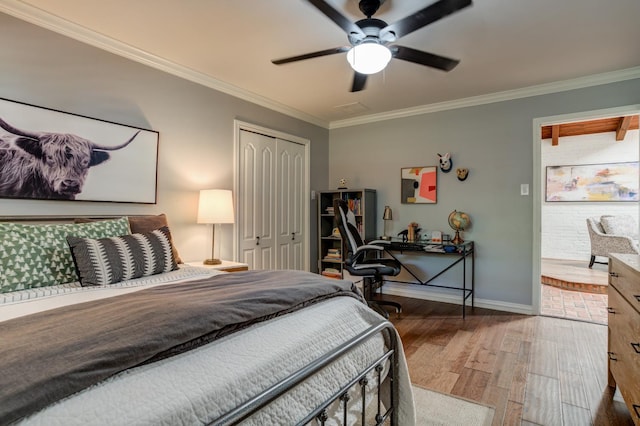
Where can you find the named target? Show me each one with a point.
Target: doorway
(563, 284)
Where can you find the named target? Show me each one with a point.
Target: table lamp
(215, 206)
(387, 216)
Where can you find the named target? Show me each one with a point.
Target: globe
(459, 221)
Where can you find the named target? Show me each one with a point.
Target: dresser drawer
(628, 388)
(624, 349)
(626, 278)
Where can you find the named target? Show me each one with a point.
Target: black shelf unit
(331, 249)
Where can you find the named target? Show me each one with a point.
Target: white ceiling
(503, 45)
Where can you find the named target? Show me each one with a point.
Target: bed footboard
(386, 412)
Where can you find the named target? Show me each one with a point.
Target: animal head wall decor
(445, 162)
(462, 174)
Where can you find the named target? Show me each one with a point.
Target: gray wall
(43, 68)
(495, 142)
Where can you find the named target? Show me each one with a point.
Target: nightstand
(226, 265)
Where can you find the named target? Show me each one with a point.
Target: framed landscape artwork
(419, 185)
(52, 155)
(593, 182)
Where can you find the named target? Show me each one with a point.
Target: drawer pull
(612, 356)
(611, 310)
(613, 274)
(637, 296)
(636, 347)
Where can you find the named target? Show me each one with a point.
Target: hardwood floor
(534, 370)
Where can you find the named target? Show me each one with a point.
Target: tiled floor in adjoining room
(562, 282)
(572, 304)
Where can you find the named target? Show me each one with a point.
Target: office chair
(363, 260)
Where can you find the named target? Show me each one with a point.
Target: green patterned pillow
(38, 255)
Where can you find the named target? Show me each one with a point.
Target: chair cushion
(623, 225)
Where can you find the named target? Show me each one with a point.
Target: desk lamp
(387, 216)
(215, 206)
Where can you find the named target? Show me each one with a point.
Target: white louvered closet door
(271, 198)
(290, 194)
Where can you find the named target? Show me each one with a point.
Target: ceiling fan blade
(359, 81)
(311, 55)
(423, 58)
(424, 17)
(331, 13)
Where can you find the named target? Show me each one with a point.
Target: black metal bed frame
(390, 414)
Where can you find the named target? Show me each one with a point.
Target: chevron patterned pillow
(110, 260)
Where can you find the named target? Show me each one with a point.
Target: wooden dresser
(624, 329)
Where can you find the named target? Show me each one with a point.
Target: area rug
(435, 408)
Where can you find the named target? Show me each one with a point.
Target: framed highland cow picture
(53, 155)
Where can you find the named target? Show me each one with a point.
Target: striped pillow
(110, 260)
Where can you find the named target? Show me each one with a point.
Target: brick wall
(564, 228)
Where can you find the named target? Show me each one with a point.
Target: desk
(460, 254)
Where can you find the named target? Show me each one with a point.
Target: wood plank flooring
(534, 370)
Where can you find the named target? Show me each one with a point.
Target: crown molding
(54, 23)
(525, 92)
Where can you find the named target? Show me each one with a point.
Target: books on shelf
(331, 273)
(333, 254)
(355, 205)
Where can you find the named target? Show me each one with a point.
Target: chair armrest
(368, 247)
(610, 243)
(378, 242)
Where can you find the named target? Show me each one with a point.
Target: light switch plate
(524, 189)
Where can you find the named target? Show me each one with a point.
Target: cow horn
(9, 128)
(113, 148)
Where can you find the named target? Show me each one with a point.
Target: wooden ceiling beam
(623, 126)
(590, 127)
(555, 134)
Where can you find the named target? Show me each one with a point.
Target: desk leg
(464, 285)
(473, 275)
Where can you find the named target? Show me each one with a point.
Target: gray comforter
(53, 354)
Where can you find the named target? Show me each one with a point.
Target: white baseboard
(424, 293)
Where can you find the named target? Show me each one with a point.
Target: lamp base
(212, 262)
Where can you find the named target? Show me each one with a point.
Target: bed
(189, 345)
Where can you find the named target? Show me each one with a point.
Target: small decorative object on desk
(343, 184)
(459, 221)
(436, 236)
(412, 231)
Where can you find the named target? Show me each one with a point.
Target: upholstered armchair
(612, 234)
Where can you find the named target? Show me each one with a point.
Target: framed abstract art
(419, 185)
(593, 182)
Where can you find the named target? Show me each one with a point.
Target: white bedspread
(196, 387)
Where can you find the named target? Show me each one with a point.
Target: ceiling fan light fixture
(368, 57)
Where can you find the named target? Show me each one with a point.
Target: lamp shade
(368, 57)
(215, 206)
(387, 215)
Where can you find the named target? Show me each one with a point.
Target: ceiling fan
(371, 38)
